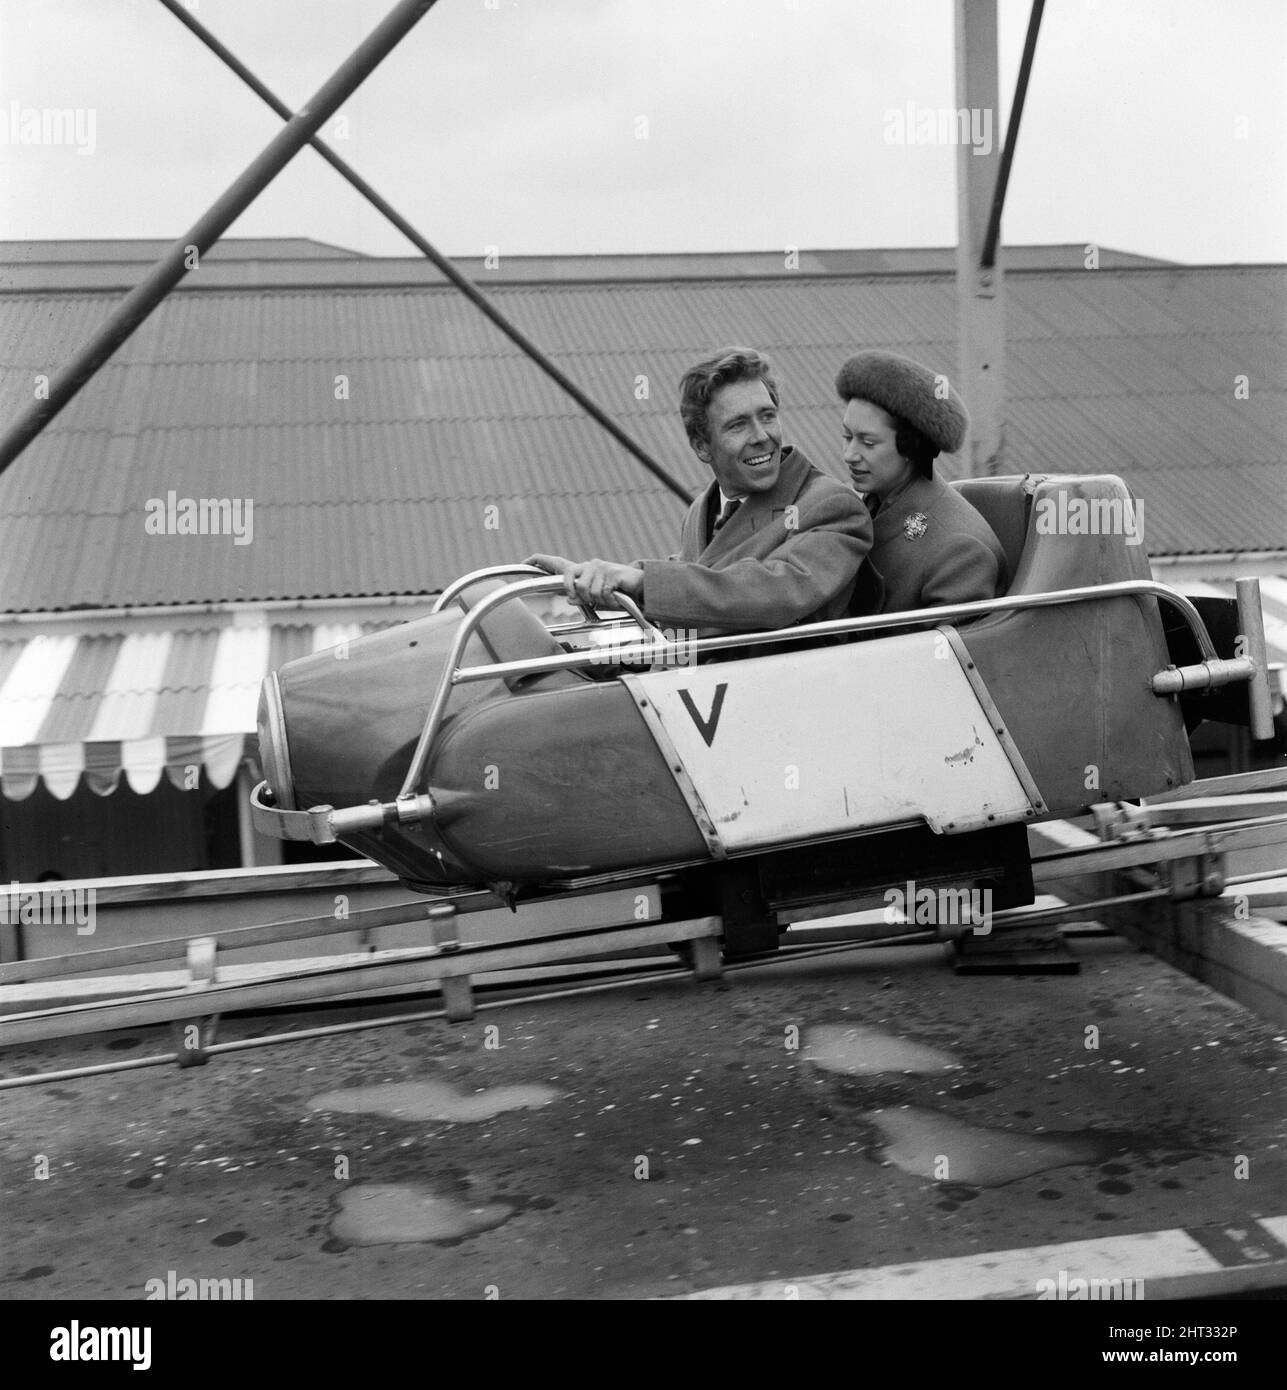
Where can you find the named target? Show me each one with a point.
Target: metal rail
(450, 967)
(1202, 846)
(228, 938)
(452, 964)
(592, 619)
(567, 909)
(620, 977)
(1233, 784)
(458, 586)
(1195, 842)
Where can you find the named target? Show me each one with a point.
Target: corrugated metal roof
(233, 394)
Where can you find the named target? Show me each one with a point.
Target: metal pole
(1251, 624)
(980, 292)
(988, 258)
(185, 253)
(430, 252)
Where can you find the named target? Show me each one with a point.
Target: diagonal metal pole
(461, 281)
(989, 255)
(175, 263)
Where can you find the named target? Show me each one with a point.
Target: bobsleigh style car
(481, 747)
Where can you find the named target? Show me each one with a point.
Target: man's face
(745, 445)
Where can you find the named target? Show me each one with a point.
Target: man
(770, 543)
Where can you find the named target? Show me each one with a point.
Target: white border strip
(1149, 1266)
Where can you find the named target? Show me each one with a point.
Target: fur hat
(906, 389)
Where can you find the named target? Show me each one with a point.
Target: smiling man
(770, 543)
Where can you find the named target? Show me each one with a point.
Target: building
(362, 435)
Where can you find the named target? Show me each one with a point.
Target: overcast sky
(1154, 126)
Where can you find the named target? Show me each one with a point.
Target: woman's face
(873, 460)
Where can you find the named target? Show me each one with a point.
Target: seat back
(1082, 529)
(1072, 682)
(1005, 504)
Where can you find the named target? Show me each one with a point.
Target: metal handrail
(458, 586)
(547, 584)
(451, 671)
(567, 629)
(453, 674)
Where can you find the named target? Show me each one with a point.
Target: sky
(592, 126)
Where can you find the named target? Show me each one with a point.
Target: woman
(931, 546)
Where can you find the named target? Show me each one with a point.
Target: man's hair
(700, 383)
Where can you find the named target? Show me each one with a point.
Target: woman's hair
(700, 383)
(913, 445)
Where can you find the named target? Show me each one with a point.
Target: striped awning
(142, 701)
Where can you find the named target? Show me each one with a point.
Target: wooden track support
(452, 971)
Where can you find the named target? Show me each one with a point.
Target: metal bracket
(446, 934)
(707, 964)
(458, 998)
(324, 825)
(457, 990)
(1197, 875)
(194, 1036)
(1203, 876)
(1120, 820)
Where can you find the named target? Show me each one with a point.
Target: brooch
(915, 526)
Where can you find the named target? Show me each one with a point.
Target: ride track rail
(1188, 863)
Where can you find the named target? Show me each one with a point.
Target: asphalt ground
(650, 1141)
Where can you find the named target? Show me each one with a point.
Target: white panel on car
(832, 740)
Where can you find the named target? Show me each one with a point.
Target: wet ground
(816, 1116)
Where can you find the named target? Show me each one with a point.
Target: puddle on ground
(399, 1213)
(857, 1051)
(916, 1140)
(433, 1100)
